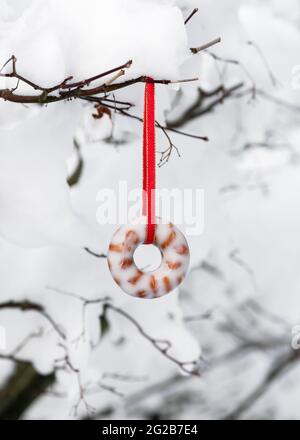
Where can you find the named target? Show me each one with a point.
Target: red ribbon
(149, 160)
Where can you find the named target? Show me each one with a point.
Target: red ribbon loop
(149, 160)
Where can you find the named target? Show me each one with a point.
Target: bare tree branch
(268, 97)
(191, 15)
(94, 254)
(273, 78)
(205, 46)
(162, 345)
(205, 102)
(21, 389)
(28, 306)
(74, 178)
(67, 90)
(277, 369)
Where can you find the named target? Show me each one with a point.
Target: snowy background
(233, 323)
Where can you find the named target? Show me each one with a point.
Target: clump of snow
(44, 224)
(51, 41)
(250, 246)
(34, 195)
(59, 40)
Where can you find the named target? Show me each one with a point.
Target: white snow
(251, 194)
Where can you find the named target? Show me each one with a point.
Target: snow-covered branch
(67, 90)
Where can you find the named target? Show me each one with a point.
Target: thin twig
(214, 97)
(13, 355)
(28, 306)
(85, 303)
(273, 79)
(275, 371)
(205, 46)
(165, 127)
(65, 363)
(191, 15)
(87, 82)
(268, 97)
(166, 155)
(75, 90)
(94, 254)
(161, 345)
(236, 63)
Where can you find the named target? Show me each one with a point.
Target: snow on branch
(161, 345)
(29, 306)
